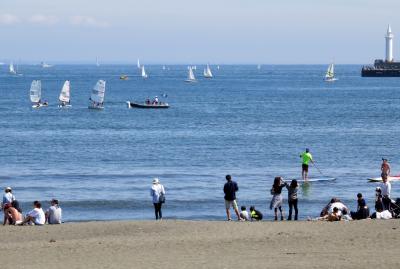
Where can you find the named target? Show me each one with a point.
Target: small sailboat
(330, 73)
(207, 72)
(97, 62)
(35, 94)
(191, 77)
(123, 77)
(144, 74)
(138, 64)
(97, 96)
(65, 99)
(12, 69)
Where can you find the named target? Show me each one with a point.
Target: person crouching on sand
(277, 200)
(255, 214)
(244, 214)
(230, 189)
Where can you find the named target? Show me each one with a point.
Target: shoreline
(203, 244)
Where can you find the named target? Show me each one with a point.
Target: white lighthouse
(389, 45)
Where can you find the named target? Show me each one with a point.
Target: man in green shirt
(306, 159)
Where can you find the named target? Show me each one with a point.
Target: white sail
(98, 92)
(36, 91)
(144, 74)
(97, 61)
(45, 65)
(191, 76)
(207, 72)
(11, 68)
(138, 63)
(65, 92)
(330, 73)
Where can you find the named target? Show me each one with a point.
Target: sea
(249, 123)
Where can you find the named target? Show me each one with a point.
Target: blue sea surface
(249, 123)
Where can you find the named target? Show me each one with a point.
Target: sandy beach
(203, 244)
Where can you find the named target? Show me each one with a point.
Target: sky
(207, 31)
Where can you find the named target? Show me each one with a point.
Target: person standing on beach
(157, 192)
(386, 188)
(385, 168)
(306, 159)
(277, 199)
(230, 189)
(292, 198)
(8, 196)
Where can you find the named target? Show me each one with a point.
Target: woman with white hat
(157, 192)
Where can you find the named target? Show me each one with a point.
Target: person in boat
(45, 103)
(155, 101)
(147, 102)
(385, 168)
(306, 159)
(362, 209)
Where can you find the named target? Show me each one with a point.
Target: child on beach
(255, 214)
(277, 200)
(292, 198)
(244, 214)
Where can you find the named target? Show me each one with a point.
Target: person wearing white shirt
(35, 216)
(8, 197)
(386, 188)
(157, 191)
(54, 213)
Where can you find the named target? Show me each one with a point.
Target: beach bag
(161, 199)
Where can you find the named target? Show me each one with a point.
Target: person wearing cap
(155, 101)
(157, 191)
(11, 215)
(306, 159)
(8, 197)
(385, 168)
(54, 213)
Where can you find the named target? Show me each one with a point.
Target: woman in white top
(157, 191)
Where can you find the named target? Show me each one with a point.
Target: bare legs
(276, 213)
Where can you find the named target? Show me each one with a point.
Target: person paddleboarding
(306, 159)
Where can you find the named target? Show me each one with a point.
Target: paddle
(318, 170)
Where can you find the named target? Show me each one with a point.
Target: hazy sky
(182, 31)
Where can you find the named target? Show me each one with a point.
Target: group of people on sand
(13, 212)
(335, 210)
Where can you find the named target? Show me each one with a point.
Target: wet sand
(203, 244)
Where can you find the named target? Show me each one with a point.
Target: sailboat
(330, 73)
(207, 72)
(35, 94)
(65, 100)
(138, 64)
(97, 96)
(191, 77)
(12, 69)
(144, 74)
(97, 62)
(45, 65)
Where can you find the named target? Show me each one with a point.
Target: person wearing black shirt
(230, 189)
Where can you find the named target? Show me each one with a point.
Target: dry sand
(203, 244)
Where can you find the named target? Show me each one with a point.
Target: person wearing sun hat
(157, 192)
(8, 196)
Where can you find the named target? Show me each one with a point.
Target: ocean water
(249, 123)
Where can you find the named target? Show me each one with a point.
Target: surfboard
(379, 179)
(317, 179)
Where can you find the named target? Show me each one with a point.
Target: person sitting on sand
(35, 216)
(335, 202)
(292, 198)
(255, 214)
(54, 213)
(244, 214)
(277, 200)
(362, 209)
(385, 168)
(11, 215)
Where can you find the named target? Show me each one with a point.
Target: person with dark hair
(230, 189)
(255, 214)
(362, 209)
(35, 216)
(11, 215)
(277, 200)
(16, 205)
(385, 168)
(244, 214)
(54, 213)
(386, 188)
(292, 198)
(306, 159)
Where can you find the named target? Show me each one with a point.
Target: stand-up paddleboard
(316, 179)
(379, 179)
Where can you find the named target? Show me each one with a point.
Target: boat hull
(147, 106)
